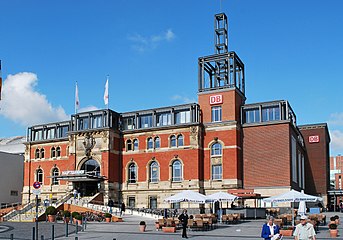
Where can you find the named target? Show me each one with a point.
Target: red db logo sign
(313, 139)
(216, 99)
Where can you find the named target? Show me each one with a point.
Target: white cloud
(87, 109)
(23, 104)
(144, 43)
(184, 99)
(336, 140)
(336, 119)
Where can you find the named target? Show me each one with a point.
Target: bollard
(11, 236)
(66, 233)
(76, 227)
(33, 233)
(76, 238)
(42, 237)
(53, 232)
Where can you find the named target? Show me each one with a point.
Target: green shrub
(332, 226)
(74, 214)
(78, 217)
(66, 213)
(51, 210)
(108, 215)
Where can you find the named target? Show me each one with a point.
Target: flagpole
(106, 94)
(77, 103)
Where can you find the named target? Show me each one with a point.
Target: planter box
(288, 232)
(169, 229)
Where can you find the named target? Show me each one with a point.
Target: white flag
(106, 93)
(77, 102)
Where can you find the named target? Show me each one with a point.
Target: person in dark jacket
(184, 221)
(269, 229)
(122, 209)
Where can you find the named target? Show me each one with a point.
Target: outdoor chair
(200, 224)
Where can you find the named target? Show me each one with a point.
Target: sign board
(75, 172)
(216, 99)
(36, 185)
(36, 191)
(313, 139)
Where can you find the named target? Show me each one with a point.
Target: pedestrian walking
(184, 221)
(122, 209)
(270, 230)
(111, 205)
(304, 230)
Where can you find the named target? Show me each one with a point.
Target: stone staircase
(28, 212)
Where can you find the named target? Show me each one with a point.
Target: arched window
(172, 141)
(154, 171)
(53, 152)
(58, 151)
(42, 153)
(92, 167)
(176, 171)
(150, 143)
(129, 145)
(39, 175)
(135, 144)
(216, 149)
(37, 153)
(54, 174)
(157, 142)
(132, 174)
(179, 140)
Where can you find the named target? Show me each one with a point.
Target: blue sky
(292, 50)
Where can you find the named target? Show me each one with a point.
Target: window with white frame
(39, 175)
(157, 142)
(53, 152)
(217, 114)
(55, 173)
(217, 172)
(216, 149)
(179, 140)
(42, 153)
(154, 169)
(150, 143)
(58, 152)
(176, 171)
(172, 141)
(132, 173)
(135, 144)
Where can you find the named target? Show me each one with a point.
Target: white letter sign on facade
(313, 139)
(216, 99)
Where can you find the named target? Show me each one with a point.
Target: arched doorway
(90, 185)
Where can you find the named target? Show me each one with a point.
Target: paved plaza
(129, 229)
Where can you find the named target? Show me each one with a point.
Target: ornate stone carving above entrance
(88, 144)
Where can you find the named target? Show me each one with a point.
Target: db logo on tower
(216, 99)
(313, 139)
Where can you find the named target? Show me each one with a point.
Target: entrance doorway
(87, 188)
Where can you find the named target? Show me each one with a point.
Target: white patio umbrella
(293, 196)
(221, 197)
(186, 196)
(302, 208)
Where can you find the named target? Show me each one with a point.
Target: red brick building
(218, 144)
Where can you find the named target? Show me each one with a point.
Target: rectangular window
(129, 123)
(97, 121)
(38, 135)
(270, 114)
(83, 123)
(164, 119)
(216, 114)
(131, 200)
(294, 159)
(252, 115)
(182, 117)
(152, 202)
(216, 172)
(145, 121)
(50, 133)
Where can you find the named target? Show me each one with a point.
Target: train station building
(220, 143)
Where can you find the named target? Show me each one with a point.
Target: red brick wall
(267, 155)
(231, 105)
(317, 166)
